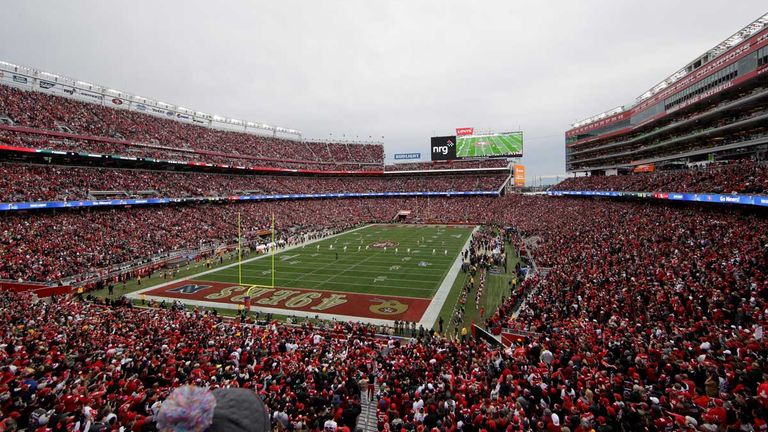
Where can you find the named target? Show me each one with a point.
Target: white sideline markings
(437, 302)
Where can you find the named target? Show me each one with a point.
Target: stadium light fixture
(595, 117)
(745, 33)
(11, 67)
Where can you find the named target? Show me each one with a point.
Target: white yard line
(436, 305)
(136, 294)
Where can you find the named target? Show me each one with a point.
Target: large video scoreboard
(467, 144)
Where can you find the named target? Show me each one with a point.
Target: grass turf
(496, 285)
(325, 265)
(495, 145)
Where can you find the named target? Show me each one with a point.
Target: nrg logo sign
(444, 148)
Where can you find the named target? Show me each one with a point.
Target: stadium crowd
(21, 182)
(49, 246)
(702, 139)
(648, 317)
(52, 246)
(677, 123)
(166, 157)
(640, 315)
(746, 176)
(730, 128)
(70, 365)
(99, 127)
(644, 317)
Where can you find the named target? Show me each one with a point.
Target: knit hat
(197, 409)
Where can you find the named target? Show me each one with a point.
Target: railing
(743, 199)
(521, 333)
(117, 270)
(40, 205)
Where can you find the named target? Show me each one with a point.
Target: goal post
(251, 287)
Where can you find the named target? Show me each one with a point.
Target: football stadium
(368, 265)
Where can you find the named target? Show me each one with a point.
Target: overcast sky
(404, 70)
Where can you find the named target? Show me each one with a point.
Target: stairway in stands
(367, 419)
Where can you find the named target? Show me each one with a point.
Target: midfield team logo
(388, 307)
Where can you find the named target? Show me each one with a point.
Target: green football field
(376, 261)
(491, 145)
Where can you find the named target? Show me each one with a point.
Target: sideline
(436, 305)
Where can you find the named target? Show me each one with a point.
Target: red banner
(464, 131)
(39, 289)
(7, 285)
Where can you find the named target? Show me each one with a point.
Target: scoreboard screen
(507, 144)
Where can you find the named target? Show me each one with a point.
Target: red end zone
(297, 299)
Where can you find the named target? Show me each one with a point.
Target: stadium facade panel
(712, 107)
